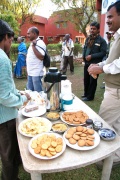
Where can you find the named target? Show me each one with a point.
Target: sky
(46, 8)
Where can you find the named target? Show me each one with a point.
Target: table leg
(36, 176)
(107, 167)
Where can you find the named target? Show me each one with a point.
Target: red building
(57, 27)
(52, 29)
(38, 22)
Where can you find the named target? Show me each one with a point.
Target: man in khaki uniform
(110, 106)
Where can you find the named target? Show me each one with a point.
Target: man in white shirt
(34, 60)
(68, 54)
(110, 107)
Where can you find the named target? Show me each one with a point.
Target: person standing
(62, 54)
(68, 54)
(93, 52)
(110, 106)
(21, 61)
(10, 101)
(34, 60)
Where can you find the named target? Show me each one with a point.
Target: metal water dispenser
(54, 77)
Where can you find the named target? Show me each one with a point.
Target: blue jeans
(34, 83)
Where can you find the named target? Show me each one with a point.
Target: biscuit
(59, 140)
(54, 143)
(48, 154)
(79, 128)
(58, 148)
(37, 150)
(72, 141)
(90, 131)
(76, 137)
(78, 133)
(53, 153)
(33, 145)
(43, 152)
(90, 143)
(44, 146)
(81, 143)
(68, 136)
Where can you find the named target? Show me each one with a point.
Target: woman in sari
(21, 61)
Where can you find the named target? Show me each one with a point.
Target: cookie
(72, 141)
(81, 143)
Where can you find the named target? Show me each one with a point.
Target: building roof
(40, 19)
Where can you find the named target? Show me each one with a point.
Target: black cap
(5, 28)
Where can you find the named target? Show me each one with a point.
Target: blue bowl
(107, 134)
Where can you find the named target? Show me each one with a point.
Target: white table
(70, 159)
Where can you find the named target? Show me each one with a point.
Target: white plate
(70, 123)
(44, 157)
(75, 146)
(48, 124)
(39, 112)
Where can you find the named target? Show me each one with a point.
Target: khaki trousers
(110, 112)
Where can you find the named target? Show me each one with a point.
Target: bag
(46, 60)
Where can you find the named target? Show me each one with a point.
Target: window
(57, 25)
(64, 24)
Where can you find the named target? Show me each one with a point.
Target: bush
(77, 49)
(53, 50)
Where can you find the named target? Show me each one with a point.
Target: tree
(80, 12)
(10, 19)
(23, 10)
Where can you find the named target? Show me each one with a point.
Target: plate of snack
(59, 127)
(53, 116)
(33, 126)
(74, 117)
(47, 146)
(81, 138)
(33, 110)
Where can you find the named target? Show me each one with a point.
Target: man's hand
(34, 42)
(88, 58)
(27, 96)
(95, 69)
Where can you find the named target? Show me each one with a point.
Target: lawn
(89, 172)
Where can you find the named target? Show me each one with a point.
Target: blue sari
(21, 60)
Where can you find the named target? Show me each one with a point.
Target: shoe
(86, 99)
(100, 164)
(72, 73)
(83, 96)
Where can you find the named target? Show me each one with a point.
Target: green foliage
(23, 10)
(77, 49)
(54, 49)
(10, 19)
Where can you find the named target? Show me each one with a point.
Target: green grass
(89, 172)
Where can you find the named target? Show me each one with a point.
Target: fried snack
(80, 135)
(59, 127)
(47, 145)
(34, 126)
(78, 117)
(53, 115)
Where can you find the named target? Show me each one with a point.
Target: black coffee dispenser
(54, 77)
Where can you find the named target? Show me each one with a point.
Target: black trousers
(68, 60)
(9, 150)
(90, 84)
